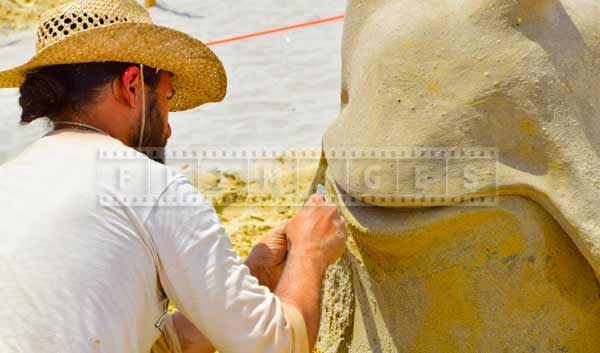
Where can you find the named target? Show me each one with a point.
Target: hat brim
(199, 76)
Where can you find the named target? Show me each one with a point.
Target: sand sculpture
(427, 269)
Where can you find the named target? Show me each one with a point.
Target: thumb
(315, 200)
(279, 229)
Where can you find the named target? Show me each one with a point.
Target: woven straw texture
(122, 30)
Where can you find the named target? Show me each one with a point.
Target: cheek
(164, 113)
(163, 109)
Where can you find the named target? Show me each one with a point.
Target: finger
(279, 229)
(338, 218)
(341, 228)
(336, 212)
(316, 199)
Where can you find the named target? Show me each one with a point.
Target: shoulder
(133, 172)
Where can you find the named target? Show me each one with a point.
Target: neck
(99, 123)
(74, 124)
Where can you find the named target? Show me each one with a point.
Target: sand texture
(16, 15)
(246, 218)
(430, 273)
(463, 279)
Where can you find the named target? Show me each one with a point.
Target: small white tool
(321, 191)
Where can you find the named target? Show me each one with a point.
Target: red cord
(275, 30)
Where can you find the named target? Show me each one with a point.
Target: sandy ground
(245, 217)
(283, 88)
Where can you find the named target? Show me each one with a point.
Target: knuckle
(316, 198)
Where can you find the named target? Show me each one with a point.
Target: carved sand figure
(518, 81)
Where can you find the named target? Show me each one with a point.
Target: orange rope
(275, 30)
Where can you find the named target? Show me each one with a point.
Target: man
(81, 274)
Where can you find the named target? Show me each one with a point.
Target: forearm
(190, 338)
(300, 286)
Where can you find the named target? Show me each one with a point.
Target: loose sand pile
(246, 217)
(16, 15)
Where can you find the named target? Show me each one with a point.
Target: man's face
(157, 110)
(157, 130)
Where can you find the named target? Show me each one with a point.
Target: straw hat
(121, 30)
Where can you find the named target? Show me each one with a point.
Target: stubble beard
(154, 142)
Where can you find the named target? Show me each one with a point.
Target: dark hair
(51, 90)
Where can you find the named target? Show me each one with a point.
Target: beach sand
(246, 218)
(19, 15)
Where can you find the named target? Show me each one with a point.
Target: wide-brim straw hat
(121, 30)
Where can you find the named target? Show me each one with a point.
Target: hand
(318, 232)
(316, 237)
(190, 338)
(267, 259)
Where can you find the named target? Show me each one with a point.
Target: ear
(129, 86)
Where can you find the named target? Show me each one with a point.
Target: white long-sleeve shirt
(90, 241)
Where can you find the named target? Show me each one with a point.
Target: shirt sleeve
(208, 282)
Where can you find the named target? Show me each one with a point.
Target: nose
(168, 130)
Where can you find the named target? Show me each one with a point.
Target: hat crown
(83, 15)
